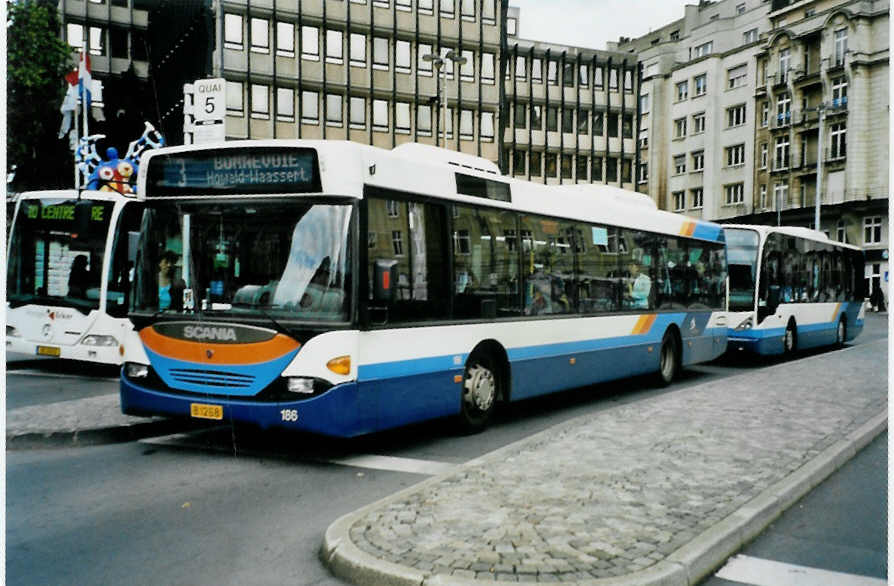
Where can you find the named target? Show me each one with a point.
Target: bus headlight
(300, 385)
(98, 340)
(135, 370)
(745, 325)
(12, 331)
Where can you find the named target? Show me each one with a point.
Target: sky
(592, 23)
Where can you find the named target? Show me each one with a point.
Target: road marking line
(370, 462)
(759, 572)
(59, 375)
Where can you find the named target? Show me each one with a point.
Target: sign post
(204, 111)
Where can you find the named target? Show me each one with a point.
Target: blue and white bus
(68, 274)
(343, 289)
(791, 288)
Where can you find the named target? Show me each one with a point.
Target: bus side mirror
(385, 281)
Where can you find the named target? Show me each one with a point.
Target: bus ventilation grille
(212, 378)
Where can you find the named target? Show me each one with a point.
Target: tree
(37, 61)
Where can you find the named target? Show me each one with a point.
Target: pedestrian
(875, 298)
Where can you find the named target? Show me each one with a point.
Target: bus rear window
(480, 187)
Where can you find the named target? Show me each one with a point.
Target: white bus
(791, 288)
(343, 289)
(67, 274)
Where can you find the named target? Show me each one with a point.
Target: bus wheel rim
(841, 332)
(481, 388)
(667, 361)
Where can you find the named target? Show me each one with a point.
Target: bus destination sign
(258, 171)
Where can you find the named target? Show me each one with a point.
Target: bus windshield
(741, 256)
(53, 260)
(283, 260)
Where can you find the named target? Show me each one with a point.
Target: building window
(679, 201)
(402, 117)
(679, 164)
(356, 112)
(643, 173)
(698, 123)
(737, 76)
(839, 92)
(568, 120)
(872, 230)
(679, 128)
(260, 35)
(397, 242)
(334, 49)
(735, 193)
(841, 231)
(598, 122)
(583, 75)
(285, 104)
(611, 169)
(780, 194)
(234, 97)
(118, 43)
(763, 197)
(612, 124)
(536, 117)
(644, 104)
(423, 67)
(701, 84)
(552, 119)
(466, 124)
(468, 9)
(735, 116)
(357, 50)
(735, 155)
(448, 8)
(380, 115)
(487, 68)
(334, 115)
(310, 107)
(519, 115)
(740, 8)
(785, 56)
(703, 49)
(551, 165)
(782, 152)
(567, 161)
(765, 114)
(627, 126)
(552, 72)
(467, 69)
(765, 148)
(580, 168)
(260, 101)
(840, 46)
(403, 60)
(697, 196)
(232, 32)
(839, 141)
(583, 121)
(425, 6)
(380, 53)
(568, 75)
(423, 119)
(749, 37)
(521, 71)
(487, 126)
(537, 70)
(784, 110)
(613, 79)
(310, 43)
(682, 91)
(698, 161)
(489, 11)
(285, 39)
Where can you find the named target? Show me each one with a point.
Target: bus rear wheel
(481, 386)
(790, 339)
(669, 359)
(841, 333)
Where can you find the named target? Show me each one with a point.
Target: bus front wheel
(481, 384)
(841, 333)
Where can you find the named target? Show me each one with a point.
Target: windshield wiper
(276, 325)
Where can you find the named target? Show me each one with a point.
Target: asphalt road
(231, 506)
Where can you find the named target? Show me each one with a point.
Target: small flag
(85, 79)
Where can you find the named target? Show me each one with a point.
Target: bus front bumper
(99, 354)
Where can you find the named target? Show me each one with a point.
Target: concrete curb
(92, 437)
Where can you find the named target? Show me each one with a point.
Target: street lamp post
(458, 61)
(821, 109)
(438, 62)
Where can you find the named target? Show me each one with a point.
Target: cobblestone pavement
(617, 493)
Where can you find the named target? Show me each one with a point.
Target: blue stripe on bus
(705, 231)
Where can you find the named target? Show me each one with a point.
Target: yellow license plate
(48, 351)
(202, 411)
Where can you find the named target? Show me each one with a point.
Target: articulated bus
(68, 274)
(342, 289)
(791, 288)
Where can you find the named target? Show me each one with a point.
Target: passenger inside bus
(639, 286)
(170, 289)
(79, 277)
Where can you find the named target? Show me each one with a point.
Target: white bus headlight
(745, 325)
(98, 340)
(135, 370)
(301, 385)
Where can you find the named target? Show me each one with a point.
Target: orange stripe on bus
(835, 313)
(688, 229)
(644, 324)
(211, 353)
